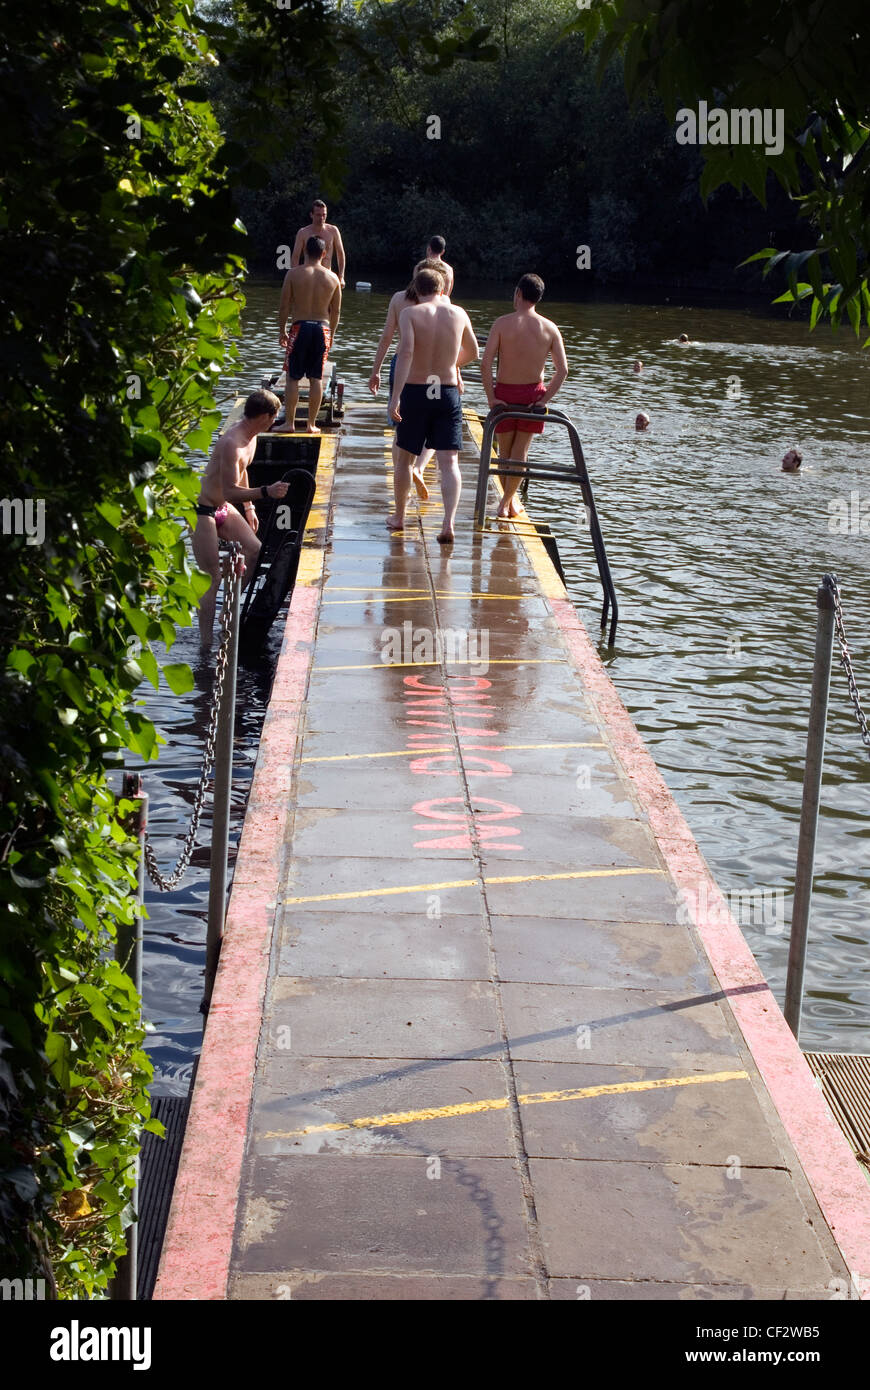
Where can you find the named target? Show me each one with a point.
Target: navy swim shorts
(427, 421)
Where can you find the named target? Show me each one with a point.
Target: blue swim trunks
(429, 421)
(307, 349)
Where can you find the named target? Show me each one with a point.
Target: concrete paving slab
(616, 1026)
(687, 1224)
(370, 945)
(339, 787)
(333, 1017)
(326, 832)
(599, 954)
(392, 1218)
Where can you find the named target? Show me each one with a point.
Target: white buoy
(364, 285)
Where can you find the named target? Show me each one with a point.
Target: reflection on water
(716, 555)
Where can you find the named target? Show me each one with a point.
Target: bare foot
(514, 509)
(395, 523)
(502, 514)
(312, 429)
(446, 536)
(419, 484)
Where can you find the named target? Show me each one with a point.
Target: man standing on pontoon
(436, 339)
(435, 252)
(329, 235)
(400, 300)
(522, 341)
(311, 297)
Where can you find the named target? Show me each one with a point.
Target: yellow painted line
(420, 597)
(373, 589)
(479, 1107)
(469, 661)
(310, 566)
(417, 595)
(467, 883)
(448, 748)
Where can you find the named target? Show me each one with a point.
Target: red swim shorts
(519, 395)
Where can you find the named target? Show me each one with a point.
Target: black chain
(169, 881)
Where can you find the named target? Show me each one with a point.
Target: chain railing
(846, 663)
(233, 566)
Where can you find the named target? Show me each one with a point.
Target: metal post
(223, 780)
(803, 887)
(128, 953)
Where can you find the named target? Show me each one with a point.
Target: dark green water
(716, 555)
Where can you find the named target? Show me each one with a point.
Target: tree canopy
(807, 58)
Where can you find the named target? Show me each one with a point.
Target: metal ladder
(577, 474)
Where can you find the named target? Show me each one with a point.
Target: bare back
(327, 234)
(524, 344)
(312, 288)
(436, 329)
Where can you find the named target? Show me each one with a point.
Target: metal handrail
(266, 536)
(580, 475)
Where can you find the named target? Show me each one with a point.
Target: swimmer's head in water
(261, 403)
(683, 338)
(791, 461)
(530, 288)
(314, 248)
(638, 365)
(641, 420)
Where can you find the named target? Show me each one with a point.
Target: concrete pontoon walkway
(484, 1046)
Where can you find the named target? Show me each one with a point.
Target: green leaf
(179, 677)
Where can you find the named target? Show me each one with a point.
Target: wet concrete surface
(494, 1064)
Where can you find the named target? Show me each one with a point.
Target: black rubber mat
(159, 1165)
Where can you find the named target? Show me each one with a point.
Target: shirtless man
(435, 251)
(224, 484)
(435, 340)
(329, 235)
(311, 297)
(400, 301)
(523, 341)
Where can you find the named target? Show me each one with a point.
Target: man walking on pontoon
(435, 251)
(522, 341)
(436, 339)
(329, 235)
(311, 298)
(400, 300)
